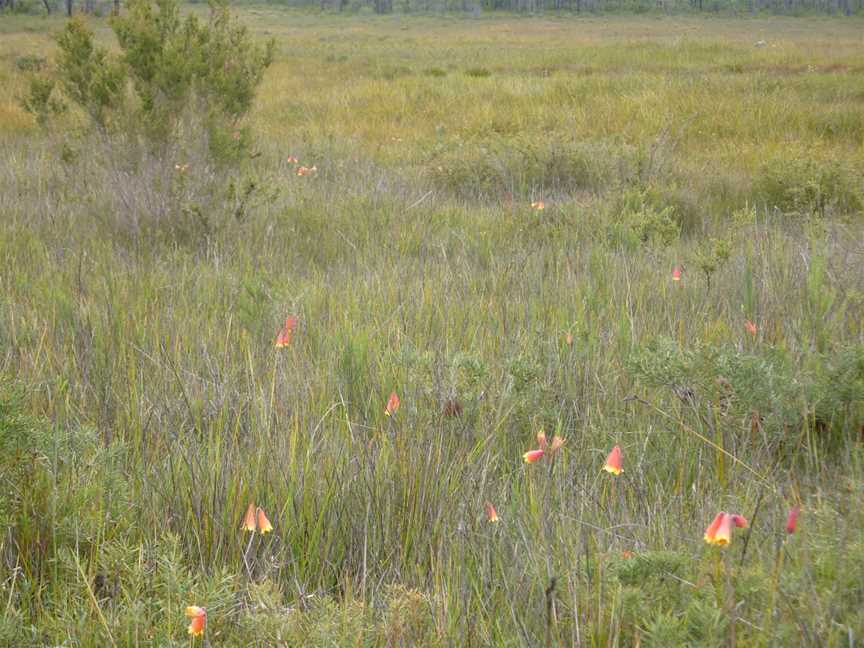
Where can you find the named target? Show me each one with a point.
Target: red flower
(676, 273)
(392, 404)
(532, 455)
(264, 525)
(792, 520)
(283, 338)
(249, 523)
(491, 514)
(199, 620)
(613, 462)
(750, 327)
(719, 532)
(711, 531)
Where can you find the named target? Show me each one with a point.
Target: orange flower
(283, 338)
(719, 532)
(491, 514)
(711, 531)
(676, 273)
(724, 531)
(792, 520)
(626, 554)
(303, 170)
(264, 525)
(613, 462)
(249, 519)
(750, 327)
(199, 620)
(557, 442)
(568, 338)
(292, 160)
(538, 205)
(541, 439)
(392, 404)
(532, 455)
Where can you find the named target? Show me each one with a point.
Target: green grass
(143, 405)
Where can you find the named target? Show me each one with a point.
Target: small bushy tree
(169, 68)
(178, 64)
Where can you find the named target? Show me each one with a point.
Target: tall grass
(144, 405)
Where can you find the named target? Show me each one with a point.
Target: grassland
(143, 404)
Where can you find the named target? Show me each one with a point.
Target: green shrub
(772, 386)
(42, 100)
(90, 77)
(806, 185)
(634, 220)
(173, 67)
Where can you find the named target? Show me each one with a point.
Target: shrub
(770, 390)
(806, 185)
(173, 67)
(60, 487)
(635, 220)
(89, 76)
(166, 113)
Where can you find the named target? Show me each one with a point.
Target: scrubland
(143, 404)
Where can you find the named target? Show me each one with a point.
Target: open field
(143, 405)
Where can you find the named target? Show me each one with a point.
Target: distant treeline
(787, 7)
(780, 7)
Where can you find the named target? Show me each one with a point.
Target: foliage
(771, 386)
(176, 67)
(793, 184)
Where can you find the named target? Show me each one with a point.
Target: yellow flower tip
(263, 523)
(199, 620)
(532, 455)
(719, 532)
(249, 522)
(392, 404)
(491, 513)
(613, 462)
(711, 532)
